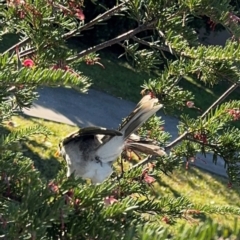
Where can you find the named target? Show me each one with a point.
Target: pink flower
(55, 67)
(53, 187)
(148, 179)
(152, 94)
(109, 200)
(235, 113)
(166, 220)
(15, 3)
(79, 14)
(65, 68)
(233, 18)
(190, 104)
(77, 201)
(21, 14)
(201, 137)
(212, 24)
(28, 63)
(70, 193)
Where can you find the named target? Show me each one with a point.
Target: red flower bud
(235, 113)
(28, 63)
(109, 200)
(70, 193)
(79, 14)
(148, 179)
(77, 202)
(166, 220)
(53, 187)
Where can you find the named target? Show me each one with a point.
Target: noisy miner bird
(91, 151)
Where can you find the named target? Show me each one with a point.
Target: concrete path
(99, 109)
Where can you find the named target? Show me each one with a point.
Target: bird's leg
(120, 161)
(121, 164)
(137, 154)
(98, 160)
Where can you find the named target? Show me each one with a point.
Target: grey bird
(91, 151)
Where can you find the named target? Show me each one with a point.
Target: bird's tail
(147, 106)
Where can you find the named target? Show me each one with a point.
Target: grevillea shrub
(124, 206)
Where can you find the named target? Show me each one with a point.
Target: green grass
(206, 95)
(201, 188)
(198, 186)
(119, 79)
(40, 149)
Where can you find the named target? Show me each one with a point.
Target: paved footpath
(99, 109)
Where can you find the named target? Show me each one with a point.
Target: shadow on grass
(209, 184)
(48, 166)
(205, 95)
(164, 184)
(218, 184)
(115, 79)
(119, 80)
(197, 180)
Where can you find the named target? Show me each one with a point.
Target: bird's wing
(90, 131)
(146, 148)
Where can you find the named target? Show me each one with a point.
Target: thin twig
(220, 99)
(216, 103)
(113, 41)
(161, 35)
(176, 141)
(108, 43)
(152, 45)
(101, 17)
(17, 45)
(143, 162)
(184, 135)
(205, 144)
(28, 52)
(86, 26)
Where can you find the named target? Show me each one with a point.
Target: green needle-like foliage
(164, 43)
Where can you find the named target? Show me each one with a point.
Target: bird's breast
(111, 150)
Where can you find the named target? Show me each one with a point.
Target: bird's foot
(98, 160)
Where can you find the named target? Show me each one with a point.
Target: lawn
(198, 186)
(119, 79)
